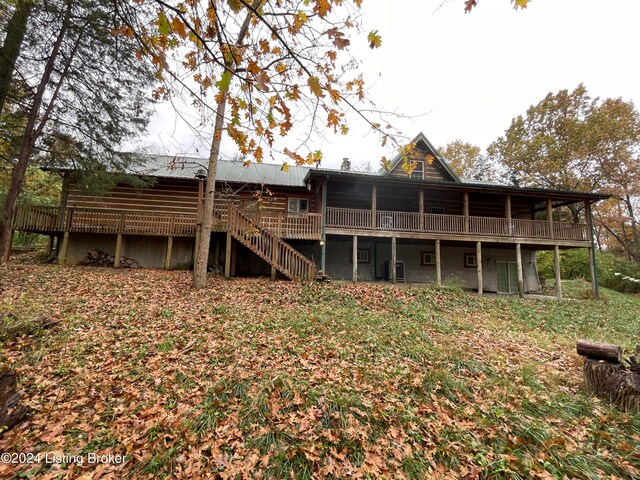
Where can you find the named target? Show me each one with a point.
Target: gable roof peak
(421, 137)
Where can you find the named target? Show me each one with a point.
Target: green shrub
(613, 271)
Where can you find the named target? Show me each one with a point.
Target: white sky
(469, 74)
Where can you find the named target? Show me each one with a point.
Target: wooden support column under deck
(64, 250)
(227, 256)
(167, 258)
(507, 213)
(234, 257)
(592, 250)
(421, 208)
(355, 258)
(274, 259)
(479, 262)
(119, 246)
(520, 273)
(438, 265)
(465, 210)
(50, 245)
(393, 260)
(550, 216)
(556, 267)
(374, 205)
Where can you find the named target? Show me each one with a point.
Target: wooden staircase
(268, 246)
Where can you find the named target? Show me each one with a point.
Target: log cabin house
(430, 225)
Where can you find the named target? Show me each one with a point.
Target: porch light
(201, 174)
(322, 243)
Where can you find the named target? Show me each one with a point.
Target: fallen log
(613, 382)
(599, 351)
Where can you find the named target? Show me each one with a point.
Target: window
(427, 258)
(418, 173)
(298, 205)
(363, 255)
(470, 260)
(438, 210)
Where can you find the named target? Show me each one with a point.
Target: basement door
(507, 277)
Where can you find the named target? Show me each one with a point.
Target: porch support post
(374, 205)
(274, 259)
(479, 262)
(465, 210)
(507, 214)
(393, 259)
(216, 255)
(355, 258)
(323, 241)
(421, 208)
(50, 245)
(119, 246)
(592, 250)
(234, 257)
(520, 273)
(227, 256)
(550, 216)
(556, 267)
(438, 265)
(64, 250)
(167, 258)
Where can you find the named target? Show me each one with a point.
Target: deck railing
(44, 219)
(359, 219)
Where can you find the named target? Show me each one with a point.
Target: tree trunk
(31, 134)
(10, 50)
(613, 383)
(11, 412)
(634, 228)
(200, 263)
(599, 351)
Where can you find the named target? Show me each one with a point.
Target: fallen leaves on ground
(253, 378)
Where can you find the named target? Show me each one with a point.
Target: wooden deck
(48, 220)
(416, 225)
(344, 221)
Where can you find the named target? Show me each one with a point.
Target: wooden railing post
(507, 213)
(374, 205)
(421, 209)
(550, 217)
(465, 210)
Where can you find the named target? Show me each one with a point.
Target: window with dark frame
(470, 260)
(438, 210)
(298, 205)
(363, 256)
(427, 258)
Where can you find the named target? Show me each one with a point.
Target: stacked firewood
(98, 258)
(610, 376)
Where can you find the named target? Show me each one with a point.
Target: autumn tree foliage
(257, 69)
(570, 141)
(468, 161)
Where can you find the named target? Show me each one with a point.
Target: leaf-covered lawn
(253, 378)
